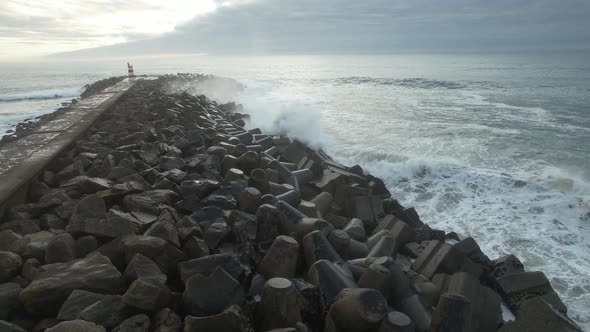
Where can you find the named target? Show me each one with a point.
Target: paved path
(21, 160)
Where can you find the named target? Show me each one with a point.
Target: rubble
(170, 215)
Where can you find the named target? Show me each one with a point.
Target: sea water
(493, 146)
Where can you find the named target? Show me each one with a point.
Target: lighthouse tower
(130, 71)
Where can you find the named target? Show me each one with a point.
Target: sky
(116, 27)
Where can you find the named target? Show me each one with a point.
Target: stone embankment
(168, 215)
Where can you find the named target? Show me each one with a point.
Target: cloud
(81, 24)
(327, 26)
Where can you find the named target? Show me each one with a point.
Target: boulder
(7, 239)
(159, 250)
(61, 249)
(9, 327)
(146, 295)
(76, 303)
(22, 227)
(46, 294)
(109, 312)
(89, 211)
(166, 320)
(213, 294)
(137, 323)
(229, 320)
(9, 303)
(168, 163)
(144, 268)
(10, 265)
(207, 265)
(33, 245)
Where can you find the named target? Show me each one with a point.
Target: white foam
(70, 92)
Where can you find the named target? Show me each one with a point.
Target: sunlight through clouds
(44, 26)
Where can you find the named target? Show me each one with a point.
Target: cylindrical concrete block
(421, 316)
(375, 238)
(278, 189)
(279, 305)
(317, 247)
(452, 314)
(272, 175)
(330, 280)
(384, 248)
(249, 200)
(340, 240)
(323, 201)
(377, 277)
(291, 197)
(428, 293)
(309, 209)
(356, 229)
(396, 321)
(358, 309)
(280, 259)
(233, 174)
(229, 162)
(258, 180)
(303, 175)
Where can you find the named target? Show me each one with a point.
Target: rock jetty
(169, 215)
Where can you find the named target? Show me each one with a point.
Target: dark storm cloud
(303, 26)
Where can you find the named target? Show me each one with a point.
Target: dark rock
(451, 314)
(30, 269)
(330, 279)
(50, 289)
(7, 240)
(519, 287)
(9, 303)
(22, 227)
(86, 245)
(137, 323)
(484, 303)
(159, 250)
(222, 201)
(109, 312)
(195, 248)
(33, 245)
(76, 302)
(207, 265)
(164, 229)
(168, 163)
(142, 207)
(144, 268)
(147, 295)
(88, 211)
(9, 327)
(281, 259)
(53, 199)
(88, 185)
(538, 315)
(174, 175)
(229, 320)
(268, 219)
(508, 264)
(10, 265)
(73, 170)
(216, 233)
(166, 320)
(213, 294)
(61, 249)
(51, 221)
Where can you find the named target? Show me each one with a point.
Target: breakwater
(168, 215)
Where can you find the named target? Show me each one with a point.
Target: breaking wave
(412, 83)
(42, 95)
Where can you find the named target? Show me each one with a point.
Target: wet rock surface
(169, 215)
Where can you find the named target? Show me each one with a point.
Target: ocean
(493, 146)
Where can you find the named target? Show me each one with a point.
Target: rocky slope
(170, 216)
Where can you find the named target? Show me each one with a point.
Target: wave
(412, 83)
(42, 95)
(542, 217)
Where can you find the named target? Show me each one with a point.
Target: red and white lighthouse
(130, 71)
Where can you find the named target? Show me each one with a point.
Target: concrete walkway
(21, 160)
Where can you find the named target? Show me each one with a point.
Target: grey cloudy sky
(297, 26)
